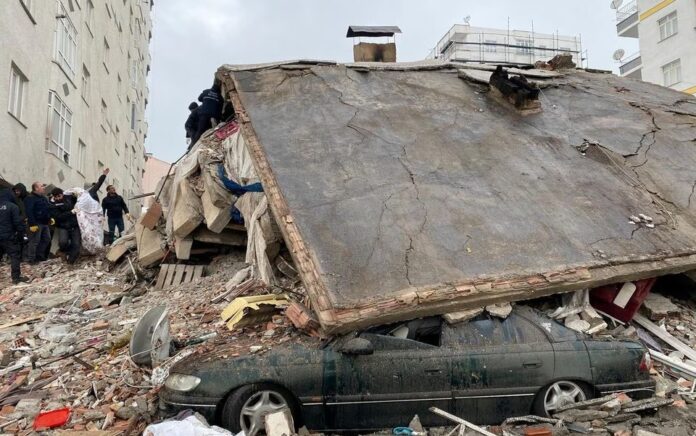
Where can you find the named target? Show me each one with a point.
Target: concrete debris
(558, 62)
(246, 311)
(657, 307)
(462, 315)
(501, 310)
(64, 339)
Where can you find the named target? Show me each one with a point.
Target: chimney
(370, 51)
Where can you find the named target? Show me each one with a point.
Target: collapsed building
(402, 190)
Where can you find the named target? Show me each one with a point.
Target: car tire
(579, 391)
(266, 396)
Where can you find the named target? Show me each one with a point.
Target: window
(668, 25)
(90, 16)
(81, 156)
(126, 159)
(85, 84)
(485, 331)
(132, 120)
(119, 86)
(108, 11)
(18, 88)
(60, 120)
(65, 41)
(525, 46)
(489, 46)
(564, 49)
(106, 55)
(104, 110)
(671, 73)
(134, 72)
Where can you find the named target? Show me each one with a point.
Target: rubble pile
(64, 340)
(614, 414)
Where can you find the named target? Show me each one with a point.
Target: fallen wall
(403, 192)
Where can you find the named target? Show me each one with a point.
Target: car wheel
(246, 407)
(557, 395)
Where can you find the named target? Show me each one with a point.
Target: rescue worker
(62, 208)
(191, 123)
(12, 231)
(114, 207)
(211, 107)
(38, 219)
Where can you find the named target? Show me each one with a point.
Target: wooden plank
(188, 273)
(171, 273)
(459, 420)
(179, 274)
(162, 275)
(21, 321)
(673, 342)
(198, 272)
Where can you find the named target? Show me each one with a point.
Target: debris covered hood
(405, 190)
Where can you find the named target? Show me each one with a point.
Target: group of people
(28, 221)
(201, 117)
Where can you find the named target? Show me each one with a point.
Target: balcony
(627, 20)
(632, 66)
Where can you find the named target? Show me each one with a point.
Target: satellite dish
(467, 19)
(616, 4)
(618, 54)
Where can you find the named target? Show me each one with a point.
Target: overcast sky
(191, 39)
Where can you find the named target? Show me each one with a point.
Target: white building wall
(28, 37)
(481, 44)
(656, 52)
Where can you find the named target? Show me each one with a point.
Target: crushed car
(483, 370)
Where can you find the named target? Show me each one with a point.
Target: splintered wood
(171, 275)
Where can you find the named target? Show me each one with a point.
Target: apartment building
(467, 43)
(666, 32)
(75, 85)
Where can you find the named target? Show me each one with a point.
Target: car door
(498, 366)
(403, 377)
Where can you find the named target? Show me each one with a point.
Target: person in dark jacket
(191, 123)
(62, 209)
(114, 207)
(211, 107)
(94, 190)
(12, 232)
(20, 193)
(38, 219)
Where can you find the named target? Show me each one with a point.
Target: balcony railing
(626, 11)
(630, 63)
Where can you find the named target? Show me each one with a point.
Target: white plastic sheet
(190, 426)
(91, 221)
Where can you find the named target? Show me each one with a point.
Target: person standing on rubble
(12, 231)
(62, 209)
(211, 108)
(191, 124)
(38, 219)
(94, 190)
(114, 207)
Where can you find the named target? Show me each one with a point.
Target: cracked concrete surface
(406, 179)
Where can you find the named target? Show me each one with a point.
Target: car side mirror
(357, 347)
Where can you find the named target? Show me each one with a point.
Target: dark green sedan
(484, 371)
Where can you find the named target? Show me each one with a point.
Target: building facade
(75, 84)
(666, 32)
(466, 43)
